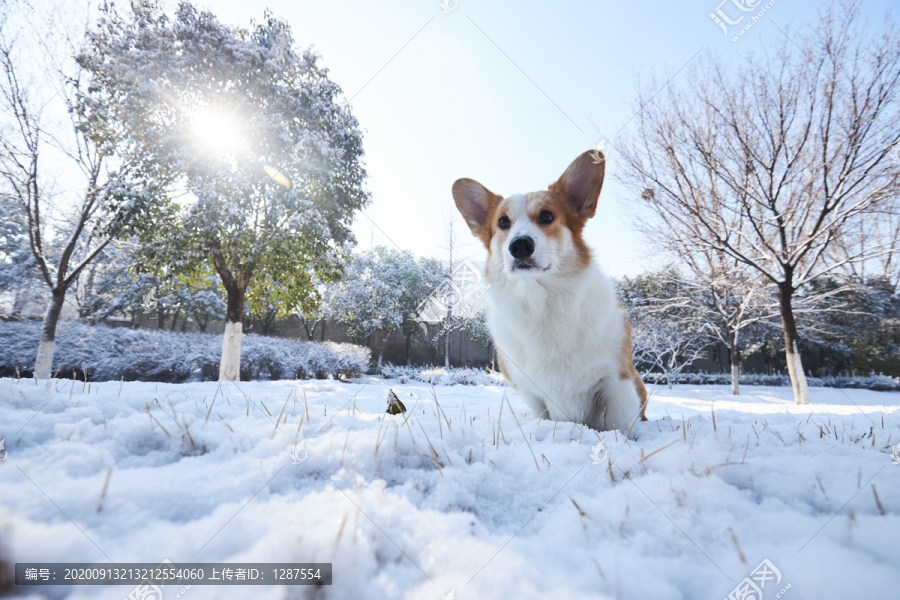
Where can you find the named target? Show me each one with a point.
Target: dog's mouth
(528, 264)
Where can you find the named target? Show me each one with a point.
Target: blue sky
(507, 93)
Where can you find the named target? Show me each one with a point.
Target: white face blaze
(523, 212)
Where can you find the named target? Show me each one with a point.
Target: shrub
(470, 376)
(107, 353)
(441, 376)
(881, 383)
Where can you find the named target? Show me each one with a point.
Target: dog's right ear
(476, 203)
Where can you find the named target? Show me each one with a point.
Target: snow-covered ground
(454, 499)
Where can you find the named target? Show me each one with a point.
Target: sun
(217, 131)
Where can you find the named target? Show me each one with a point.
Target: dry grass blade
(410, 412)
(438, 404)
(738, 547)
(209, 412)
(284, 406)
(657, 451)
(106, 485)
(152, 418)
(709, 470)
(434, 453)
(580, 510)
(225, 422)
(878, 500)
(498, 420)
(536, 463)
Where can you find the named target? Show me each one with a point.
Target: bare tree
(724, 295)
(668, 330)
(68, 232)
(451, 322)
(733, 299)
(776, 165)
(666, 343)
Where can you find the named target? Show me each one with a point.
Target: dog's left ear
(582, 182)
(475, 202)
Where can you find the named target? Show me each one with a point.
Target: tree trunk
(447, 341)
(735, 354)
(44, 361)
(230, 365)
(669, 368)
(408, 336)
(18, 305)
(381, 351)
(792, 345)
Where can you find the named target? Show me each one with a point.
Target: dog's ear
(476, 203)
(582, 182)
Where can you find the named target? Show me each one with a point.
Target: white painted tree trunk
(44, 361)
(381, 352)
(447, 342)
(798, 377)
(734, 355)
(791, 347)
(230, 365)
(43, 364)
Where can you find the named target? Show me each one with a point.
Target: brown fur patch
(503, 368)
(626, 366)
(477, 204)
(564, 216)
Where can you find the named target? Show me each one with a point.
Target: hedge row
(470, 376)
(441, 376)
(103, 353)
(881, 383)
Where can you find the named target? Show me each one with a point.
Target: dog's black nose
(521, 247)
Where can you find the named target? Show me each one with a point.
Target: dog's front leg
(536, 404)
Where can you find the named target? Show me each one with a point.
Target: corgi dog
(563, 340)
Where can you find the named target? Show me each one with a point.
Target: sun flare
(217, 131)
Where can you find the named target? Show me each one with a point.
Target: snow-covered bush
(880, 383)
(442, 376)
(871, 382)
(472, 376)
(106, 353)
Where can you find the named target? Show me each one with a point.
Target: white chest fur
(560, 339)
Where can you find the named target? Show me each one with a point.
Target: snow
(722, 478)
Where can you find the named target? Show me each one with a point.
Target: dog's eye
(546, 216)
(503, 223)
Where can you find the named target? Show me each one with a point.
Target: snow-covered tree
(477, 327)
(19, 273)
(724, 296)
(270, 162)
(778, 166)
(380, 290)
(102, 282)
(857, 331)
(418, 285)
(668, 333)
(106, 186)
